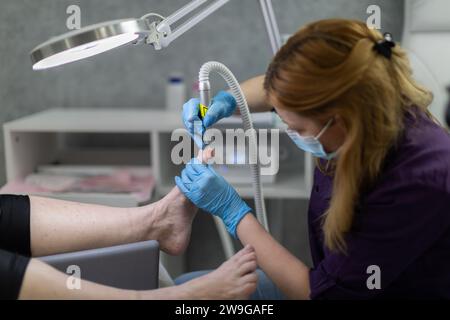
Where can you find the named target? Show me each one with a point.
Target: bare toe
(248, 267)
(251, 278)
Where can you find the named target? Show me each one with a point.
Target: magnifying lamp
(102, 37)
(87, 42)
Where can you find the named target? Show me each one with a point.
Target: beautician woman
(380, 203)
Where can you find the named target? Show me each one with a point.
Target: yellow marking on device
(203, 110)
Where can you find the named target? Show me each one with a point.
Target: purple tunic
(401, 225)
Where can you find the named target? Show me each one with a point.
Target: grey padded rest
(132, 266)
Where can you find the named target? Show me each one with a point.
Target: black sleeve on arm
(15, 224)
(15, 243)
(12, 271)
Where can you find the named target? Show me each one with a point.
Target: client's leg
(235, 279)
(62, 226)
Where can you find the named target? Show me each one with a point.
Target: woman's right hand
(223, 105)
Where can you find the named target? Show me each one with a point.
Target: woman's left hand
(209, 191)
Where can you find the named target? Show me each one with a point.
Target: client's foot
(174, 216)
(235, 279)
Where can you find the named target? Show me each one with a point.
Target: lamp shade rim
(124, 30)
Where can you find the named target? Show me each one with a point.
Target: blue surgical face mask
(312, 144)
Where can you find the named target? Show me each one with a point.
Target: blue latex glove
(210, 192)
(222, 105)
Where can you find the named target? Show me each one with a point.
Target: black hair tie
(384, 47)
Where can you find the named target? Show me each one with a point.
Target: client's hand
(210, 192)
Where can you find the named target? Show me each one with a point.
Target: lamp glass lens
(85, 51)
